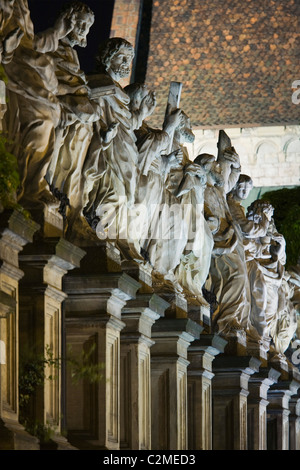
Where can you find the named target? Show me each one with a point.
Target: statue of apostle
(79, 111)
(114, 180)
(228, 268)
(33, 110)
(265, 257)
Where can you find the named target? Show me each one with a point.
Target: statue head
(114, 57)
(137, 92)
(243, 187)
(258, 208)
(83, 18)
(184, 133)
(212, 169)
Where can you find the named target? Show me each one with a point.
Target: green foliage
(286, 203)
(33, 374)
(85, 367)
(9, 176)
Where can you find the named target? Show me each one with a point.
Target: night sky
(44, 13)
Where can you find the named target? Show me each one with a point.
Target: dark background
(44, 13)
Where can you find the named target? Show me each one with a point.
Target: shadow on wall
(44, 13)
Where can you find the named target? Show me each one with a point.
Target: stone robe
(246, 230)
(228, 268)
(114, 174)
(65, 172)
(33, 109)
(265, 273)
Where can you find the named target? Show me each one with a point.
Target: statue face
(119, 66)
(81, 29)
(243, 190)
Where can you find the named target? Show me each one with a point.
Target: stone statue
(113, 192)
(194, 265)
(169, 231)
(33, 109)
(284, 324)
(228, 269)
(265, 258)
(113, 61)
(9, 38)
(153, 164)
(78, 112)
(248, 229)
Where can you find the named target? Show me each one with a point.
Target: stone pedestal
(294, 419)
(138, 315)
(230, 392)
(259, 384)
(93, 323)
(16, 232)
(201, 354)
(44, 263)
(279, 396)
(169, 381)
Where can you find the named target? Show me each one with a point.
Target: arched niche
(267, 153)
(292, 151)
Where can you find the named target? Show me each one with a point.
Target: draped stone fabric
(88, 140)
(34, 110)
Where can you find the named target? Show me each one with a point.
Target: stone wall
(269, 154)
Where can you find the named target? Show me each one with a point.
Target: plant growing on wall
(286, 203)
(33, 374)
(9, 176)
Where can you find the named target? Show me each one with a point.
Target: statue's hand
(12, 40)
(231, 156)
(148, 104)
(174, 120)
(111, 132)
(64, 24)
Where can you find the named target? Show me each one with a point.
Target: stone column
(230, 392)
(93, 320)
(16, 232)
(295, 422)
(45, 263)
(138, 315)
(201, 354)
(259, 384)
(279, 396)
(169, 381)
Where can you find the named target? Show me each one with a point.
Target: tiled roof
(237, 59)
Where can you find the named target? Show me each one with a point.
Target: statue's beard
(76, 40)
(122, 71)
